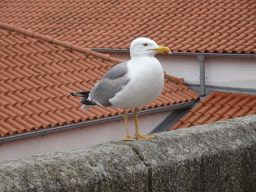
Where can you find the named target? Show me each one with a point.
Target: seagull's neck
(146, 61)
(141, 57)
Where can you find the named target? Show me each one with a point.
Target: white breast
(145, 85)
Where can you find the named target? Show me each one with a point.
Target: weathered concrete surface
(214, 157)
(99, 168)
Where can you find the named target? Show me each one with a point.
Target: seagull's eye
(145, 44)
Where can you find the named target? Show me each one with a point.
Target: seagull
(130, 84)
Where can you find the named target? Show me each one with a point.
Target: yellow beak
(162, 49)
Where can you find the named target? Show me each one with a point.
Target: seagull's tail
(85, 94)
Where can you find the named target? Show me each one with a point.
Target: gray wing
(110, 84)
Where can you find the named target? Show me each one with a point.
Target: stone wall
(214, 157)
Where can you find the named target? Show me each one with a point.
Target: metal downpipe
(201, 59)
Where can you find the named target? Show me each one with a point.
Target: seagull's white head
(144, 46)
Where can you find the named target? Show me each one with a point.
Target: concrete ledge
(214, 157)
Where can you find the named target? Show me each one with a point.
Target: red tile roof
(38, 72)
(196, 25)
(218, 106)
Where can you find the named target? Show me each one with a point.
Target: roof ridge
(66, 44)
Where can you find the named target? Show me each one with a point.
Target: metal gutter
(210, 88)
(225, 55)
(190, 54)
(82, 125)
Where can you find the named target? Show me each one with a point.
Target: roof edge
(80, 125)
(210, 88)
(191, 54)
(65, 44)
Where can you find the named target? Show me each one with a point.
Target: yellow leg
(137, 134)
(128, 137)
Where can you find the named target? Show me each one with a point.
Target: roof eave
(80, 125)
(193, 54)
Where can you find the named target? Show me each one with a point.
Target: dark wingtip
(80, 94)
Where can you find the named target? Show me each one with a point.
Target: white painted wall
(182, 67)
(231, 72)
(224, 72)
(78, 138)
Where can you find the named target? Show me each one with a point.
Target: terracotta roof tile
(218, 106)
(204, 26)
(37, 76)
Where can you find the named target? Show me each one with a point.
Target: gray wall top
(214, 157)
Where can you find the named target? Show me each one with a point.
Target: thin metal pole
(201, 59)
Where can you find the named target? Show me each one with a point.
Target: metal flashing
(173, 118)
